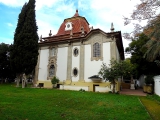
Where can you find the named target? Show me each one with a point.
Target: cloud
(13, 3)
(39, 3)
(44, 28)
(45, 3)
(99, 13)
(10, 24)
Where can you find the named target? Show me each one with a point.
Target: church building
(75, 55)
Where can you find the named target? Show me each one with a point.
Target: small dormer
(68, 26)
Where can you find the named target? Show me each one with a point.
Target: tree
(115, 70)
(146, 10)
(108, 73)
(4, 60)
(25, 47)
(5, 69)
(137, 50)
(153, 51)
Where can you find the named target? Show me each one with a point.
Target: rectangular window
(96, 50)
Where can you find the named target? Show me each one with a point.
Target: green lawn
(152, 104)
(52, 104)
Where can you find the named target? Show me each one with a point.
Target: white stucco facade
(62, 63)
(44, 53)
(76, 53)
(93, 67)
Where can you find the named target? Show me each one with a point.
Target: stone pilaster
(81, 65)
(113, 49)
(69, 65)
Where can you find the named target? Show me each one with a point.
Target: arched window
(51, 71)
(96, 50)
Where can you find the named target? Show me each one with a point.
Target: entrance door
(94, 86)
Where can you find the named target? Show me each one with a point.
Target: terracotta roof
(77, 22)
(76, 33)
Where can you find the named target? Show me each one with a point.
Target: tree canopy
(117, 70)
(24, 52)
(153, 31)
(25, 47)
(147, 10)
(5, 68)
(137, 50)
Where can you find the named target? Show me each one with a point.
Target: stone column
(81, 65)
(69, 65)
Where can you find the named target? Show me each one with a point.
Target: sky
(50, 14)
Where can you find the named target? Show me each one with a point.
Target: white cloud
(83, 4)
(45, 3)
(10, 24)
(39, 3)
(44, 28)
(99, 13)
(13, 3)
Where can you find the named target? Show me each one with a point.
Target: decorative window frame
(50, 51)
(68, 26)
(75, 55)
(73, 71)
(101, 50)
(52, 60)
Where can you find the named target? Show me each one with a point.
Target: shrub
(54, 80)
(149, 79)
(82, 90)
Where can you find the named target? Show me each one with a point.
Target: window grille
(51, 71)
(96, 50)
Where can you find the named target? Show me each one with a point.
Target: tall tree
(25, 48)
(137, 50)
(5, 68)
(153, 45)
(146, 10)
(4, 61)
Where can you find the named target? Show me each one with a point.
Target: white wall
(102, 89)
(62, 63)
(70, 87)
(43, 65)
(157, 85)
(75, 63)
(106, 53)
(93, 67)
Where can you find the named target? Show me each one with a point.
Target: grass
(50, 104)
(152, 104)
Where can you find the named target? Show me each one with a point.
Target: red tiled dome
(77, 23)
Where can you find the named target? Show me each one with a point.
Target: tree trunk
(114, 86)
